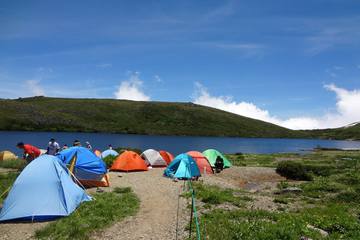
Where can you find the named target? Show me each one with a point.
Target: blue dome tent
(43, 191)
(89, 169)
(108, 152)
(182, 167)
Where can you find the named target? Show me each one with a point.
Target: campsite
(180, 120)
(314, 195)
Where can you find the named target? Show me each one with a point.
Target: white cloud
(347, 109)
(158, 79)
(131, 89)
(34, 87)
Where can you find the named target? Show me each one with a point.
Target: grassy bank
(104, 210)
(328, 204)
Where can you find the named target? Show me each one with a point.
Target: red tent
(168, 157)
(202, 162)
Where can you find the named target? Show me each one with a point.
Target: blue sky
(287, 62)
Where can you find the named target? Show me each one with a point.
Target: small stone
(291, 190)
(322, 232)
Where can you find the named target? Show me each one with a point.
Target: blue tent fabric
(43, 191)
(109, 152)
(182, 167)
(87, 166)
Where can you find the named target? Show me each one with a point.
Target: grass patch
(215, 195)
(260, 224)
(14, 163)
(106, 209)
(6, 181)
(255, 224)
(122, 190)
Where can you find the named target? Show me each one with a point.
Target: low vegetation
(328, 203)
(214, 195)
(6, 181)
(14, 164)
(106, 209)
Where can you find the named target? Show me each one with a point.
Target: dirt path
(156, 218)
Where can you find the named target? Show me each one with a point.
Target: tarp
(108, 152)
(168, 157)
(212, 154)
(182, 167)
(43, 191)
(153, 158)
(7, 155)
(129, 161)
(88, 168)
(202, 162)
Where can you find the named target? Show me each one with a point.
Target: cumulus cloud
(132, 89)
(34, 87)
(347, 109)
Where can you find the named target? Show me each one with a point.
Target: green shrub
(293, 170)
(109, 160)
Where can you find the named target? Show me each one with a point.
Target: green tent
(212, 154)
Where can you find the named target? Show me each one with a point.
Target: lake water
(173, 144)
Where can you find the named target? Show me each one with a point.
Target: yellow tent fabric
(7, 155)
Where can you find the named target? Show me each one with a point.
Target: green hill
(351, 132)
(121, 116)
(162, 118)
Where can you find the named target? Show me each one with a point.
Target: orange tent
(129, 161)
(97, 153)
(202, 162)
(168, 157)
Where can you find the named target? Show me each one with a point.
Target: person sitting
(30, 152)
(219, 164)
(53, 147)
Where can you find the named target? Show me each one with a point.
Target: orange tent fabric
(129, 161)
(168, 157)
(97, 153)
(202, 162)
(104, 182)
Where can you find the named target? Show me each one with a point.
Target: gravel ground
(156, 218)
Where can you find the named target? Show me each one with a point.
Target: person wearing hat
(76, 143)
(53, 147)
(88, 146)
(30, 152)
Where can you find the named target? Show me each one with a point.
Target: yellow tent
(7, 155)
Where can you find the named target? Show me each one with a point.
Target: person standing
(53, 147)
(88, 146)
(30, 152)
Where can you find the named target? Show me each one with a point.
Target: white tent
(153, 158)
